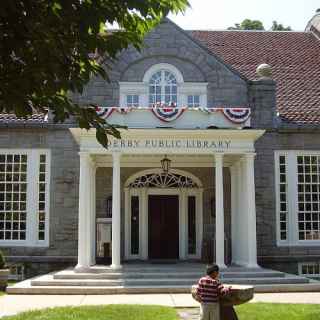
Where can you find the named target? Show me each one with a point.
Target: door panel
(163, 227)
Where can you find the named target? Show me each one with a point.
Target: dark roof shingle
(293, 56)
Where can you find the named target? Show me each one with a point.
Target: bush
(2, 261)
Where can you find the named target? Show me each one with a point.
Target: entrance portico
(189, 148)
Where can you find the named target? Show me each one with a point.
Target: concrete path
(13, 304)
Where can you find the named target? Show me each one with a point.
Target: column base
(221, 265)
(81, 268)
(116, 266)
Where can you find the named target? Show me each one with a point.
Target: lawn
(275, 311)
(252, 311)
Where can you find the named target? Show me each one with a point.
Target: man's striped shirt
(210, 289)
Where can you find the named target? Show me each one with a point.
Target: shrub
(2, 261)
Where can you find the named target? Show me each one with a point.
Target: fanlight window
(163, 88)
(163, 180)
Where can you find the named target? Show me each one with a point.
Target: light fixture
(165, 164)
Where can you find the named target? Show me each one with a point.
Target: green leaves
(49, 48)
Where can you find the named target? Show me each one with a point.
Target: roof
(7, 118)
(293, 56)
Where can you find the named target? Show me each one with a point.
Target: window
(308, 197)
(310, 269)
(298, 197)
(163, 88)
(132, 100)
(193, 101)
(24, 197)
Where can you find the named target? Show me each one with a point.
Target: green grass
(275, 311)
(111, 312)
(252, 311)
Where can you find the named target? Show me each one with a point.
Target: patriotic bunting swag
(237, 115)
(168, 114)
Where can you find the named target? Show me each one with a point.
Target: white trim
(162, 66)
(158, 170)
(33, 160)
(143, 194)
(183, 88)
(292, 198)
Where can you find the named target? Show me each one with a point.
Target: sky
(221, 14)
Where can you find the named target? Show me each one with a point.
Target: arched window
(163, 88)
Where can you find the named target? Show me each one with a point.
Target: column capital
(116, 155)
(247, 156)
(218, 157)
(86, 156)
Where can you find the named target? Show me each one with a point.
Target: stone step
(26, 288)
(160, 275)
(48, 280)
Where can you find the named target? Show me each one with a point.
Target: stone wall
(268, 252)
(64, 186)
(169, 44)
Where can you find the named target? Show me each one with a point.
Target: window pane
(308, 197)
(192, 225)
(134, 225)
(13, 197)
(282, 198)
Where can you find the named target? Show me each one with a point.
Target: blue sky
(221, 14)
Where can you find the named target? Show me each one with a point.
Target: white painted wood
(85, 208)
(219, 211)
(183, 237)
(32, 198)
(251, 212)
(93, 214)
(116, 218)
(170, 141)
(234, 213)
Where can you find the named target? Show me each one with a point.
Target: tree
(248, 24)
(279, 27)
(50, 48)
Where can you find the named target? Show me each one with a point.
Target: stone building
(230, 174)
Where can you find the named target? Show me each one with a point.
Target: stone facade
(167, 44)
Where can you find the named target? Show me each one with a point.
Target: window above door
(163, 85)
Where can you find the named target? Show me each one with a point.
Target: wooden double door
(163, 227)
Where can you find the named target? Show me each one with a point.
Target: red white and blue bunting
(236, 115)
(168, 114)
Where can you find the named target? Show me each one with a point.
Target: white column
(93, 214)
(251, 212)
(183, 223)
(85, 208)
(116, 220)
(219, 211)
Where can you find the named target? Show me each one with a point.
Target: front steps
(146, 278)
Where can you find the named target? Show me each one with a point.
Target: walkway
(12, 304)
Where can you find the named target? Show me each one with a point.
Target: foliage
(51, 48)
(2, 261)
(111, 312)
(248, 24)
(279, 27)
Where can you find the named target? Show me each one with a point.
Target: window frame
(32, 223)
(142, 88)
(292, 197)
(310, 263)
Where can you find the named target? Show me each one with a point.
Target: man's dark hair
(212, 268)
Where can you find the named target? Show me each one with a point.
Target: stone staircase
(153, 278)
